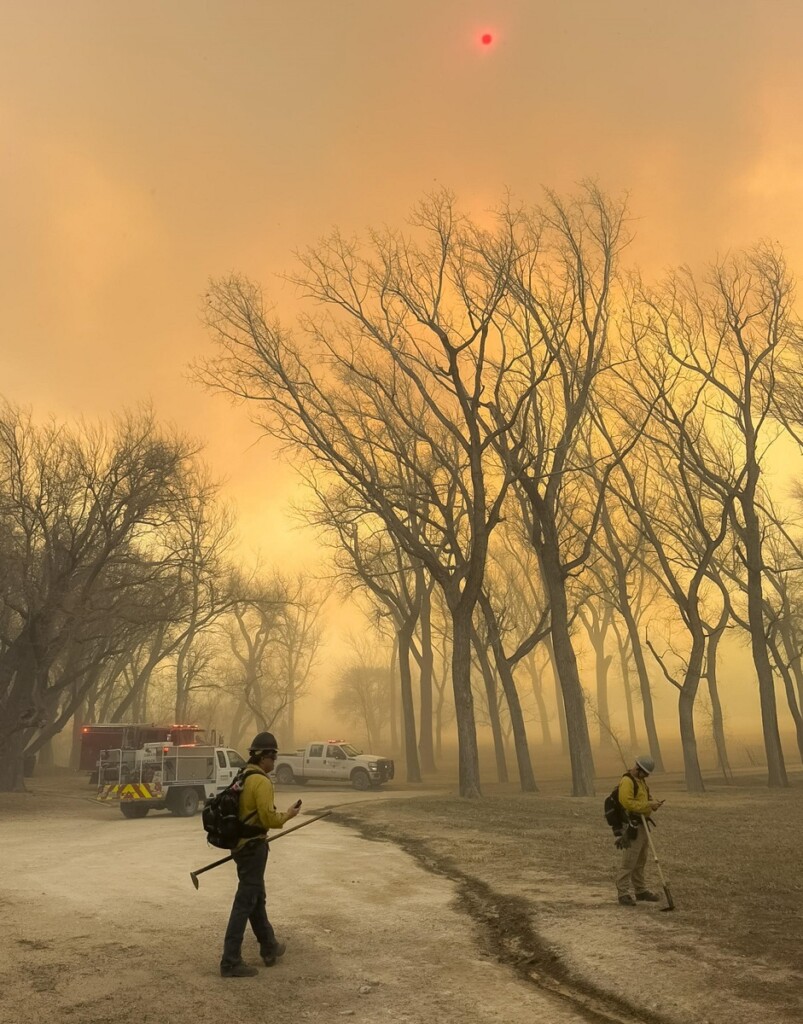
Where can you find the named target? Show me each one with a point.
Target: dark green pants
(249, 906)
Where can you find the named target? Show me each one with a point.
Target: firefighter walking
(251, 856)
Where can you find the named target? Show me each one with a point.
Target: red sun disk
(486, 39)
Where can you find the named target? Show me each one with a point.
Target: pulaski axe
(287, 831)
(670, 903)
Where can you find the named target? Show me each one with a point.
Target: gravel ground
(425, 907)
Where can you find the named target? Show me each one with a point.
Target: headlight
(373, 767)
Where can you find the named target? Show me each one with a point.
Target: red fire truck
(132, 736)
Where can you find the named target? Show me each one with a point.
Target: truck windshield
(348, 750)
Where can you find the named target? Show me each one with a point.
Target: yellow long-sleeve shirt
(638, 802)
(257, 796)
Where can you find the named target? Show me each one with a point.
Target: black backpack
(221, 817)
(615, 815)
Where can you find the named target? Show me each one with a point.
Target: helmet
(646, 763)
(263, 741)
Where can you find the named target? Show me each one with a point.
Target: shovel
(224, 860)
(670, 903)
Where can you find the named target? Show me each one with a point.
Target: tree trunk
(751, 535)
(290, 738)
(691, 764)
(138, 684)
(579, 741)
(467, 753)
(12, 779)
(493, 708)
(643, 678)
(688, 695)
(408, 709)
(520, 743)
(794, 710)
(237, 723)
(717, 719)
(45, 757)
(596, 625)
(564, 735)
(439, 704)
(605, 728)
(791, 696)
(78, 722)
(538, 694)
(624, 662)
(394, 729)
(523, 762)
(425, 742)
(19, 709)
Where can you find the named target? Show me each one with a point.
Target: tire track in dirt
(508, 932)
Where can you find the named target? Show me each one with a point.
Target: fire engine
(132, 736)
(178, 777)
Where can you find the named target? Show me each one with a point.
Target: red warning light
(486, 39)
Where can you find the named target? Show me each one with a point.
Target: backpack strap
(634, 780)
(243, 774)
(647, 817)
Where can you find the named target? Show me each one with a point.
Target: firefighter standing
(635, 798)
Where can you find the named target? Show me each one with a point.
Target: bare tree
(597, 616)
(295, 643)
(556, 317)
(398, 363)
(683, 520)
(368, 557)
(361, 697)
(737, 339)
(260, 697)
(78, 509)
(196, 543)
(623, 546)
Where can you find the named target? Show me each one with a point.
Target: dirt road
(409, 911)
(102, 925)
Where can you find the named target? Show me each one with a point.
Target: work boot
(627, 901)
(270, 956)
(239, 970)
(648, 897)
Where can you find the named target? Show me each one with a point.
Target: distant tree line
(120, 596)
(515, 446)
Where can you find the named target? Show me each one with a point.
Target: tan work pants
(634, 858)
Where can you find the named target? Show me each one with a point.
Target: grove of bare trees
(520, 450)
(120, 595)
(551, 487)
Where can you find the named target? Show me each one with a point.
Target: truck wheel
(360, 779)
(284, 775)
(187, 803)
(132, 809)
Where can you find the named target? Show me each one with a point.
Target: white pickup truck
(163, 775)
(335, 760)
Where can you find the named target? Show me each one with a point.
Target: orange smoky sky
(150, 146)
